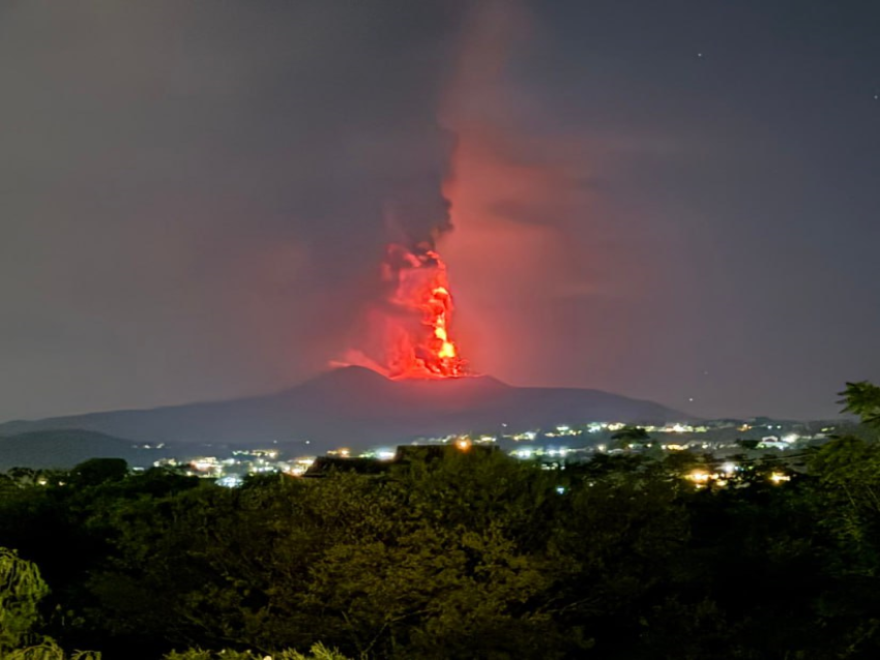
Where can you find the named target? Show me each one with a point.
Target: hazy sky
(671, 200)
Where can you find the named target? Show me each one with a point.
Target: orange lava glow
(420, 292)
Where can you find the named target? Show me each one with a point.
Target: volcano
(357, 407)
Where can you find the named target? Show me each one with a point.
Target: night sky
(677, 201)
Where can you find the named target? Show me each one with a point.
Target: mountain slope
(358, 407)
(64, 448)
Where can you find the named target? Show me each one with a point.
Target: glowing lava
(420, 343)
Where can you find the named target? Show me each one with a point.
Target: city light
(298, 466)
(553, 457)
(230, 481)
(699, 476)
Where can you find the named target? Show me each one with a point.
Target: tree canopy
(473, 556)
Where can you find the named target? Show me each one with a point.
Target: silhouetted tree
(630, 435)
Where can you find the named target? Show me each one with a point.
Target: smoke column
(409, 331)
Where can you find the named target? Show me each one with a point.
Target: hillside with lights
(359, 407)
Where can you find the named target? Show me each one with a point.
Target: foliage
(317, 652)
(862, 399)
(630, 435)
(21, 589)
(49, 650)
(99, 470)
(472, 556)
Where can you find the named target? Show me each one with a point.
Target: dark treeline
(468, 557)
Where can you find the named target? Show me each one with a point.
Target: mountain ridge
(359, 407)
(64, 448)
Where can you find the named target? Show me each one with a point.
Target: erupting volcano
(418, 331)
(407, 331)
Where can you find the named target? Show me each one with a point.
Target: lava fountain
(407, 331)
(419, 341)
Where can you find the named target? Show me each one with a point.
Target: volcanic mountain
(65, 448)
(357, 407)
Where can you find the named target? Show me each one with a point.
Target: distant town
(723, 441)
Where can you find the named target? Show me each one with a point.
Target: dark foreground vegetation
(467, 557)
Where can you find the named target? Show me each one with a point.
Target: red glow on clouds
(513, 196)
(530, 246)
